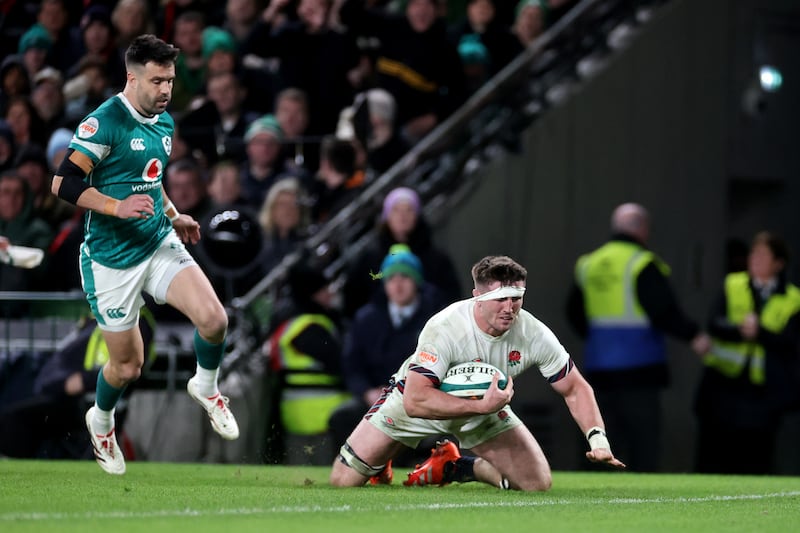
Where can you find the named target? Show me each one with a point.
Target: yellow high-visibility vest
(730, 358)
(309, 395)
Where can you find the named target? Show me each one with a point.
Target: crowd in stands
(328, 93)
(285, 111)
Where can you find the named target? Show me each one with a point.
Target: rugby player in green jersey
(134, 241)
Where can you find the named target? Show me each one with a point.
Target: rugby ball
(470, 380)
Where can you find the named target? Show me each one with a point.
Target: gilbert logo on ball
(470, 380)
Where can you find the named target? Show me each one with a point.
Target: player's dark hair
(498, 268)
(149, 48)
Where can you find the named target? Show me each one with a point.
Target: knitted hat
(472, 50)
(35, 37)
(216, 39)
(400, 194)
(402, 261)
(264, 124)
(59, 140)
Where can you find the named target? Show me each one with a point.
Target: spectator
(53, 16)
(482, 24)
(401, 222)
(7, 147)
(217, 128)
(301, 152)
(89, 88)
(241, 16)
(224, 186)
(20, 226)
(25, 122)
(34, 46)
(97, 39)
(371, 126)
(622, 305)
(186, 187)
(339, 181)
(313, 56)
(57, 147)
(263, 166)
(219, 51)
(130, 18)
(32, 166)
(750, 378)
(382, 335)
(14, 80)
(48, 99)
(190, 70)
(304, 352)
(284, 218)
(530, 20)
(416, 61)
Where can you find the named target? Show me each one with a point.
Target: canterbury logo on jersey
(115, 312)
(405, 74)
(137, 145)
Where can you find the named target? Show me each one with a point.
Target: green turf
(62, 496)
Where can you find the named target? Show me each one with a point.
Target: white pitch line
(37, 517)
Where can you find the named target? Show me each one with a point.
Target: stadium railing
(37, 324)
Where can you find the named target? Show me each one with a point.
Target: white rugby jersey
(451, 337)
(130, 153)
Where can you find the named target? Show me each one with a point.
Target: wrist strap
(597, 438)
(171, 212)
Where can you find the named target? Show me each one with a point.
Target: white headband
(506, 291)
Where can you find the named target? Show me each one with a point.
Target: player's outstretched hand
(187, 228)
(136, 206)
(604, 455)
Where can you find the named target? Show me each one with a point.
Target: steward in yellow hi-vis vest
(304, 350)
(622, 305)
(309, 392)
(620, 334)
(732, 358)
(750, 379)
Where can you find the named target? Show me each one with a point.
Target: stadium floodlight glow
(770, 78)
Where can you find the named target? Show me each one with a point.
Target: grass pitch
(76, 496)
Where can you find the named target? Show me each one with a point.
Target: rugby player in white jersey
(133, 241)
(491, 327)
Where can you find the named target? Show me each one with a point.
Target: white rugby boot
(106, 450)
(222, 419)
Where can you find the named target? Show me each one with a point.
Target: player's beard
(153, 108)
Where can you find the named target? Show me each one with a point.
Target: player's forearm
(90, 198)
(583, 407)
(436, 405)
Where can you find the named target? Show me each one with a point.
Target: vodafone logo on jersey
(88, 128)
(153, 170)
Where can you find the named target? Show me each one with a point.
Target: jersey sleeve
(550, 354)
(94, 136)
(434, 352)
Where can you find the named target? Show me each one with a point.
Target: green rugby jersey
(130, 153)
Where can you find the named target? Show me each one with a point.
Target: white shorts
(115, 296)
(391, 418)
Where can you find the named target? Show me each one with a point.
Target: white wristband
(171, 207)
(597, 438)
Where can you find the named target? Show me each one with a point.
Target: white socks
(206, 381)
(102, 421)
